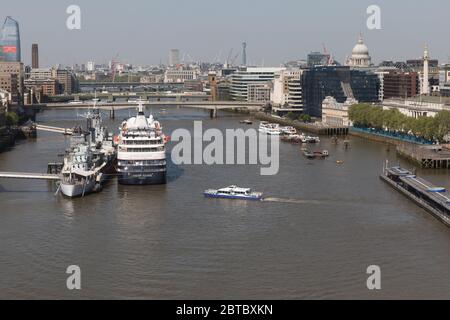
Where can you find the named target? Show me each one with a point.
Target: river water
(328, 224)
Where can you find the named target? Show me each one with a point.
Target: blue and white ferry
(234, 192)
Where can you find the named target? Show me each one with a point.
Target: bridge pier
(213, 113)
(112, 113)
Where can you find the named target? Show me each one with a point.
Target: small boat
(249, 122)
(270, 128)
(293, 138)
(234, 192)
(76, 103)
(339, 162)
(309, 139)
(316, 154)
(437, 190)
(288, 131)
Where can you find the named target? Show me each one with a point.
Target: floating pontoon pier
(435, 200)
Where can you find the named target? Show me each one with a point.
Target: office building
(12, 77)
(400, 84)
(286, 93)
(46, 78)
(34, 56)
(10, 83)
(67, 82)
(318, 59)
(259, 92)
(90, 66)
(339, 82)
(48, 87)
(10, 41)
(174, 57)
(240, 80)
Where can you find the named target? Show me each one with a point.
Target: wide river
(330, 223)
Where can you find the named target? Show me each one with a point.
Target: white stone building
(360, 57)
(336, 114)
(414, 108)
(287, 91)
(180, 75)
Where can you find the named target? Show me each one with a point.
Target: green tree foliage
(367, 116)
(291, 115)
(305, 118)
(12, 119)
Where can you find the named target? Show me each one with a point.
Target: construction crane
(234, 59)
(325, 51)
(229, 57)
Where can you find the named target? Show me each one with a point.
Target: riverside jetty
(316, 128)
(425, 155)
(435, 200)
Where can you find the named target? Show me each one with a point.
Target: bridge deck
(208, 105)
(30, 176)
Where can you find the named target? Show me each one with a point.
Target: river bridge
(127, 85)
(212, 106)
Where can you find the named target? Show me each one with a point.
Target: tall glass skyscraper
(10, 41)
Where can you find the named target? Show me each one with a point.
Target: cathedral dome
(360, 49)
(360, 55)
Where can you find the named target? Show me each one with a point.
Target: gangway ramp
(54, 129)
(29, 176)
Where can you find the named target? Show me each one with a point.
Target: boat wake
(296, 201)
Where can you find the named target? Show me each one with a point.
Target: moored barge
(435, 200)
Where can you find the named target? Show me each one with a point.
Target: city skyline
(142, 33)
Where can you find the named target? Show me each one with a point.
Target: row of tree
(302, 118)
(433, 129)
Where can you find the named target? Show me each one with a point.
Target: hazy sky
(143, 31)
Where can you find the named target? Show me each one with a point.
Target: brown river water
(323, 226)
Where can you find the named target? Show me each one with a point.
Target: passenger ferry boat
(436, 200)
(234, 192)
(316, 154)
(270, 128)
(141, 151)
(288, 131)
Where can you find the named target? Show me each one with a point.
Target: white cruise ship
(141, 158)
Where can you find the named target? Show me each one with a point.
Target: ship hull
(142, 179)
(77, 190)
(221, 196)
